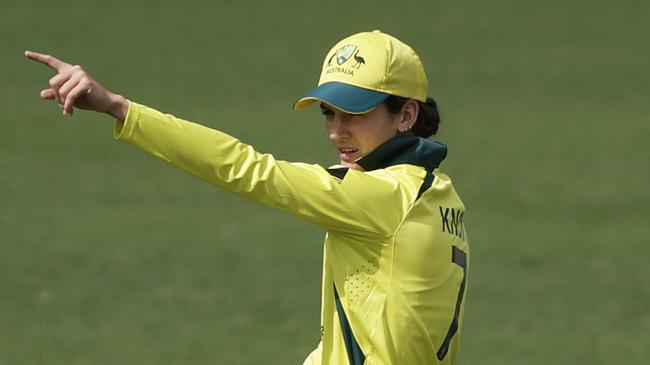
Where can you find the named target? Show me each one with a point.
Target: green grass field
(108, 256)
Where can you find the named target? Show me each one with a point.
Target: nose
(337, 129)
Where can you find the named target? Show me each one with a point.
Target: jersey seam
(392, 268)
(416, 320)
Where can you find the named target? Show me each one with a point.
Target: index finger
(50, 61)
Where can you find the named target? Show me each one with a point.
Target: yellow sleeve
(366, 203)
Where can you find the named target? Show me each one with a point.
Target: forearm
(211, 155)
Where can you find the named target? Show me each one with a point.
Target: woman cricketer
(396, 254)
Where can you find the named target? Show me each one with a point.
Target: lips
(347, 153)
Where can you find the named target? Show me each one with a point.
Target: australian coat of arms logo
(346, 52)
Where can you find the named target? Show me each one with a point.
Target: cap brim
(348, 98)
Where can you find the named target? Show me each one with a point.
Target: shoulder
(395, 184)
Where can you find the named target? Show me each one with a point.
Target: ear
(408, 116)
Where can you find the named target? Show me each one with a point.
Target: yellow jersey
(396, 252)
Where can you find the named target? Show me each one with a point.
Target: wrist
(118, 107)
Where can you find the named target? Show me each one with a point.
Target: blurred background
(108, 256)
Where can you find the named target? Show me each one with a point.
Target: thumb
(48, 94)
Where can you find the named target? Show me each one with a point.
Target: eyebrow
(325, 107)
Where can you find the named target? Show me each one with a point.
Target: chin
(351, 165)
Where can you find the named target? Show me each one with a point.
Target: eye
(327, 112)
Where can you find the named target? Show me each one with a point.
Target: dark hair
(428, 119)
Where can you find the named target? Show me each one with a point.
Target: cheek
(373, 137)
(328, 129)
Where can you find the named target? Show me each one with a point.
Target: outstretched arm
(73, 87)
(354, 205)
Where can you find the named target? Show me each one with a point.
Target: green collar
(405, 149)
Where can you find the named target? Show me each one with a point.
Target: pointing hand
(73, 87)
